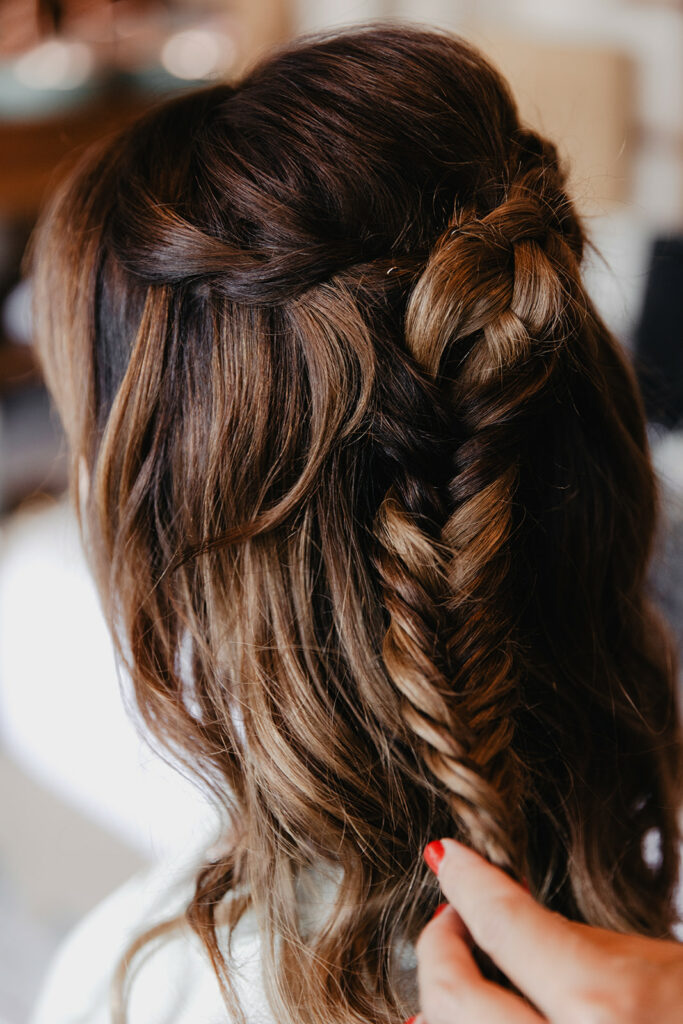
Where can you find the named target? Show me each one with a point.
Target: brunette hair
(365, 460)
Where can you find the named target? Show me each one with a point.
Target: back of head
(370, 500)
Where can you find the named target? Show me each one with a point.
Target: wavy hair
(366, 461)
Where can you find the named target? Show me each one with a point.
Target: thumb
(529, 943)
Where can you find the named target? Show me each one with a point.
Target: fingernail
(412, 1020)
(441, 907)
(433, 855)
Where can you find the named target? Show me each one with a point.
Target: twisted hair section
(370, 504)
(501, 291)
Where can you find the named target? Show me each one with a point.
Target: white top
(175, 983)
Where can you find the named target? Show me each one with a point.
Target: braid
(503, 288)
(412, 565)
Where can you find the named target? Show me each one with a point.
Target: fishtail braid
(412, 565)
(501, 293)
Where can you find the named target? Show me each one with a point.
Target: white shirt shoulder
(172, 980)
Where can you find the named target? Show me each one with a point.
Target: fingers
(542, 953)
(452, 988)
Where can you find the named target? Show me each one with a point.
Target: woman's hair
(370, 500)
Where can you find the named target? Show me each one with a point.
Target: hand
(571, 973)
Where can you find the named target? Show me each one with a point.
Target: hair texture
(370, 503)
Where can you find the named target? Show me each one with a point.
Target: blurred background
(84, 803)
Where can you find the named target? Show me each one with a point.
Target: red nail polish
(412, 1020)
(441, 907)
(433, 855)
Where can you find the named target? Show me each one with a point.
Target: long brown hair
(360, 446)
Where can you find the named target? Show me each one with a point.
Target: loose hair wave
(366, 461)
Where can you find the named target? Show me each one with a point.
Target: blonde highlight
(362, 444)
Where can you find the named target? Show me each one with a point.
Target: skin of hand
(571, 973)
